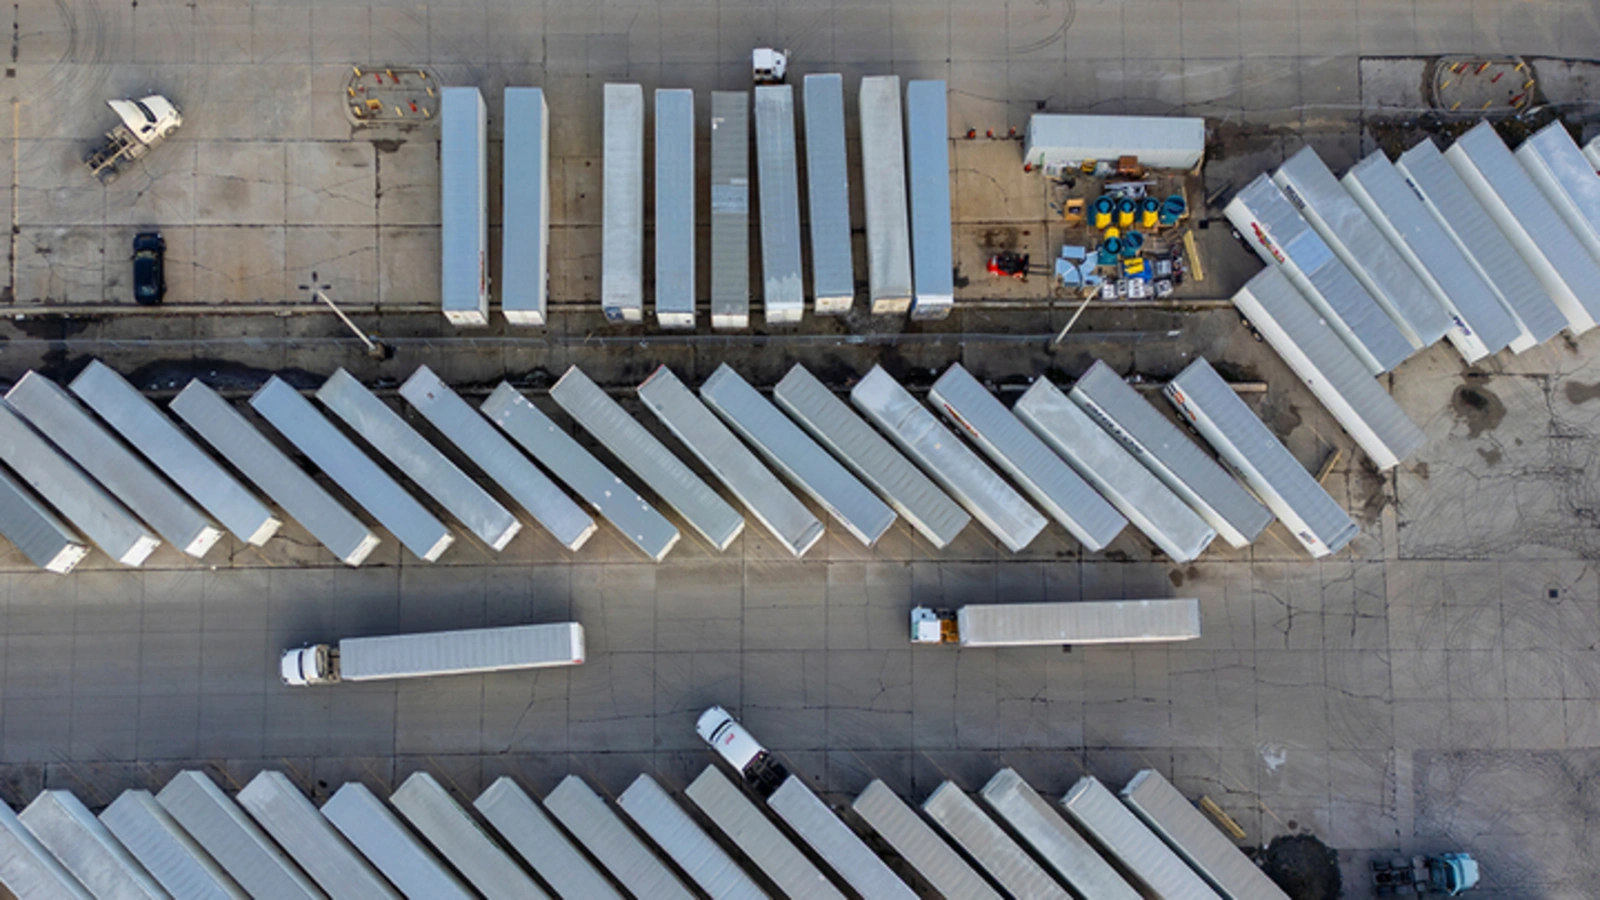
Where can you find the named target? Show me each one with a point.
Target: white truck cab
(755, 765)
(769, 66)
(149, 118)
(311, 664)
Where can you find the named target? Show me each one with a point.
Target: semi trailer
(1053, 624)
(434, 653)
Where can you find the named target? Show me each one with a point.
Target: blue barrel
(1172, 210)
(1110, 250)
(1132, 243)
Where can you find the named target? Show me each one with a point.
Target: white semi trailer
(434, 653)
(1051, 624)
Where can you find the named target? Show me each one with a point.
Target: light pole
(375, 348)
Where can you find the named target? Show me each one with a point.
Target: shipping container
(142, 424)
(1170, 455)
(1483, 321)
(622, 221)
(833, 840)
(728, 807)
(384, 430)
(870, 456)
(1034, 467)
(356, 474)
(284, 813)
(1251, 450)
(905, 832)
(1004, 859)
(1282, 237)
(620, 504)
(525, 208)
(464, 206)
(525, 828)
(1558, 167)
(1206, 849)
(1363, 408)
(790, 451)
(492, 453)
(730, 461)
(730, 209)
(1570, 275)
(928, 152)
(87, 848)
(955, 467)
(235, 842)
(662, 472)
(259, 460)
(675, 208)
(1062, 848)
(1058, 624)
(1463, 217)
(166, 851)
(700, 857)
(1058, 143)
(58, 416)
(372, 828)
(28, 870)
(632, 863)
(462, 841)
(1352, 236)
(45, 540)
(883, 185)
(1120, 833)
(783, 293)
(833, 276)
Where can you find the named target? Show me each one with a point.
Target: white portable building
(1057, 143)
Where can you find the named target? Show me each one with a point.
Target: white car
(755, 765)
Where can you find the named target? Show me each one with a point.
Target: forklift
(1450, 874)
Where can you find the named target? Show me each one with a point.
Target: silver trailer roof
(1591, 152)
(1080, 622)
(730, 461)
(833, 277)
(462, 841)
(1134, 490)
(249, 451)
(166, 851)
(673, 482)
(868, 454)
(1163, 142)
(502, 462)
(1483, 322)
(700, 857)
(730, 209)
(1280, 235)
(1287, 322)
(63, 485)
(783, 292)
(811, 819)
(1037, 469)
(45, 540)
(928, 152)
(622, 222)
(1569, 273)
(598, 829)
(467, 650)
(285, 813)
(789, 450)
(235, 842)
(1568, 180)
(1462, 215)
(525, 208)
(58, 416)
(951, 463)
(1003, 858)
(761, 842)
(383, 839)
(383, 429)
(917, 844)
(883, 185)
(464, 206)
(586, 476)
(28, 870)
(142, 424)
(1352, 236)
(546, 849)
(675, 208)
(1255, 454)
(1072, 857)
(1098, 812)
(1238, 517)
(336, 455)
(1206, 849)
(87, 848)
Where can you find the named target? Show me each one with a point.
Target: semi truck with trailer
(434, 653)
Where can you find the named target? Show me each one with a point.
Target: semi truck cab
(311, 664)
(761, 773)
